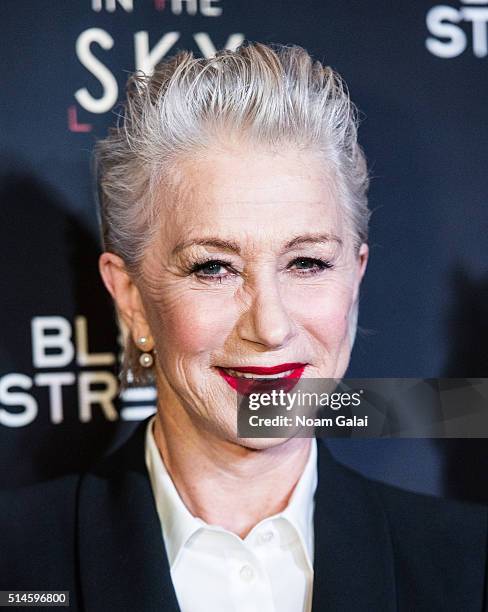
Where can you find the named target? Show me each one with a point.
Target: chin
(261, 443)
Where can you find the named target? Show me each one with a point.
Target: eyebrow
(229, 245)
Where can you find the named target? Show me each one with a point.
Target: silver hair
(270, 94)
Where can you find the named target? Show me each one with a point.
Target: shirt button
(266, 537)
(246, 573)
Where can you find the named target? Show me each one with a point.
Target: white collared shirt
(270, 570)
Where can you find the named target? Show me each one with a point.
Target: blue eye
(211, 269)
(310, 265)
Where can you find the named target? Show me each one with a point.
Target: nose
(266, 320)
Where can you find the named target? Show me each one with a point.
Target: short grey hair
(271, 94)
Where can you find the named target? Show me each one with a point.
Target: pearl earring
(145, 359)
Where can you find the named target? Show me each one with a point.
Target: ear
(363, 256)
(126, 296)
(362, 262)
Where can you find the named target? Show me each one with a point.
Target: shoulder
(438, 545)
(39, 523)
(407, 510)
(45, 504)
(441, 528)
(37, 533)
(42, 492)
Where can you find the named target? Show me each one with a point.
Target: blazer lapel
(121, 554)
(353, 561)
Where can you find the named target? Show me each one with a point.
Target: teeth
(256, 376)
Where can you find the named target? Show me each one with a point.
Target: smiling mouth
(253, 379)
(248, 375)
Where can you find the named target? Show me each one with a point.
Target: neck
(223, 482)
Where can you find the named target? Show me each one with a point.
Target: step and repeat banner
(418, 71)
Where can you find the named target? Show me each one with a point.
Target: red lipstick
(245, 386)
(277, 369)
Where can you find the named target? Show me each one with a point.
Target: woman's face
(254, 266)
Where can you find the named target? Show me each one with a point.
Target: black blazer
(377, 548)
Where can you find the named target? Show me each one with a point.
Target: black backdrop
(418, 72)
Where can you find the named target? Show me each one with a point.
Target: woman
(235, 223)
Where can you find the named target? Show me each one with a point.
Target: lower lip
(245, 386)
